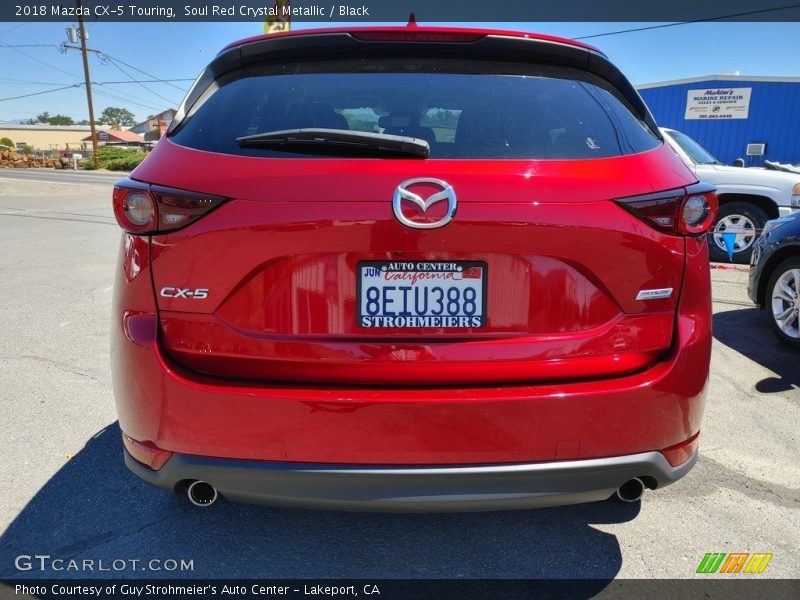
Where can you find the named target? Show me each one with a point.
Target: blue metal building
(731, 114)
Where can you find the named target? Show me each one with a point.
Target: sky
(31, 62)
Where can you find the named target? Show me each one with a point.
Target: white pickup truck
(748, 197)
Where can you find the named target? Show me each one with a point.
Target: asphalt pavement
(67, 493)
(62, 176)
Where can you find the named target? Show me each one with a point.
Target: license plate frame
(409, 317)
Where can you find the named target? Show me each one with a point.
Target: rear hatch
(501, 257)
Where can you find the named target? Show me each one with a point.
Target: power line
(81, 84)
(133, 79)
(15, 27)
(128, 96)
(77, 85)
(131, 98)
(145, 73)
(106, 94)
(107, 58)
(145, 103)
(706, 20)
(9, 80)
(49, 66)
(144, 81)
(127, 99)
(31, 45)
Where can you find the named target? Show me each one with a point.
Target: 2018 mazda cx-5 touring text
(411, 269)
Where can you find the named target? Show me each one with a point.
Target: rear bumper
(379, 488)
(654, 409)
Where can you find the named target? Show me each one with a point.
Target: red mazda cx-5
(411, 269)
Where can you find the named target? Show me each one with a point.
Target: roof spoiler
(340, 45)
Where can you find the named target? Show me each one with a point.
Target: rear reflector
(146, 453)
(143, 209)
(685, 211)
(680, 453)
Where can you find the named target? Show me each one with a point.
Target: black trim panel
(414, 489)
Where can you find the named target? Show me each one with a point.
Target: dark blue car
(775, 276)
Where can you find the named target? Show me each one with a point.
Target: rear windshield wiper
(337, 141)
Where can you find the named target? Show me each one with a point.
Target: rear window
(463, 109)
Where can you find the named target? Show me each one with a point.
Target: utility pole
(82, 34)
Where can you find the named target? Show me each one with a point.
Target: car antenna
(412, 20)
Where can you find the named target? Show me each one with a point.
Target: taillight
(138, 209)
(698, 212)
(687, 211)
(145, 210)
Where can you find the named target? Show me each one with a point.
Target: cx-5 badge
(403, 193)
(176, 292)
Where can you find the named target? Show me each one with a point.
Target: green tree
(6, 142)
(45, 117)
(60, 120)
(26, 149)
(117, 117)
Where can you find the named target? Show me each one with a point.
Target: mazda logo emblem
(402, 193)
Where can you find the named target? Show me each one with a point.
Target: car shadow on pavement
(747, 331)
(93, 508)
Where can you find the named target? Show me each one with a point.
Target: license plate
(438, 294)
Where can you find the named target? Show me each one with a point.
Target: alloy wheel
(786, 303)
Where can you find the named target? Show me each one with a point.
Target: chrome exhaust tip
(631, 491)
(201, 493)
